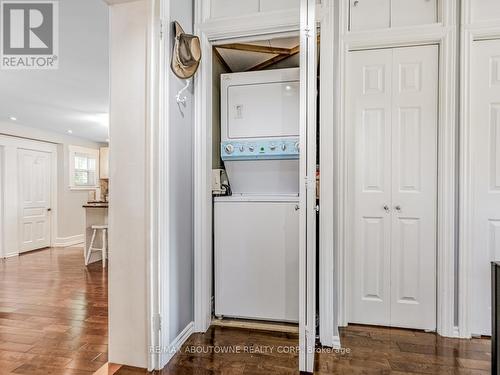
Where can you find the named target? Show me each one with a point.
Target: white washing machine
(256, 234)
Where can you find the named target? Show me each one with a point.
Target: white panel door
(414, 187)
(483, 10)
(270, 5)
(34, 193)
(392, 106)
(369, 90)
(233, 8)
(413, 12)
(370, 14)
(485, 141)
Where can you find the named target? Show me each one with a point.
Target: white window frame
(73, 150)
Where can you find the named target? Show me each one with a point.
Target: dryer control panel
(261, 149)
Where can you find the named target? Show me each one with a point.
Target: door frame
(10, 178)
(210, 31)
(471, 33)
(445, 35)
(19, 197)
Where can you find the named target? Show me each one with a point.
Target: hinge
(310, 182)
(308, 32)
(317, 208)
(157, 322)
(161, 30)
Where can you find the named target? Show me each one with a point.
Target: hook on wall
(182, 99)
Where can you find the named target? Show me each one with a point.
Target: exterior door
(392, 96)
(307, 217)
(485, 144)
(35, 194)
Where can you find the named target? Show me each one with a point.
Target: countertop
(96, 205)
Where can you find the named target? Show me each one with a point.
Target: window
(83, 167)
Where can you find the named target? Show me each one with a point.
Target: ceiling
(279, 52)
(75, 97)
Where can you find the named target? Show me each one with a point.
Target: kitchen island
(96, 213)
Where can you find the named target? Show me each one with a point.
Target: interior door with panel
(369, 96)
(307, 214)
(414, 187)
(485, 148)
(35, 199)
(392, 104)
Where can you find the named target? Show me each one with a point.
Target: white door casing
(35, 199)
(485, 151)
(393, 101)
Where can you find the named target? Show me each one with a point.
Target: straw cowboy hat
(186, 55)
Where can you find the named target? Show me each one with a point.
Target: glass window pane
(81, 178)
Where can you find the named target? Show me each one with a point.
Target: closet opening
(255, 183)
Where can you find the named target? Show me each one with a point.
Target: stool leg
(104, 248)
(89, 251)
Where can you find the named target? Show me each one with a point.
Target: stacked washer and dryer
(256, 230)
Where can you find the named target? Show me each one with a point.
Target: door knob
(386, 208)
(398, 208)
(49, 209)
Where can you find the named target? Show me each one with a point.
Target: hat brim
(178, 28)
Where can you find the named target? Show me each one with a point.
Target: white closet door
(392, 96)
(369, 89)
(34, 190)
(485, 140)
(370, 14)
(414, 187)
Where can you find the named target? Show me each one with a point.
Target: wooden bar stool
(104, 248)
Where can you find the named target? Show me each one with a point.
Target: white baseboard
(336, 342)
(177, 343)
(69, 241)
(10, 255)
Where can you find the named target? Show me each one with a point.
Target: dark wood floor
(368, 350)
(53, 314)
(53, 320)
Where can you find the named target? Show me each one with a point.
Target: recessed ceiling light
(12, 118)
(70, 131)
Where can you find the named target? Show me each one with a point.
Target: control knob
(229, 149)
(251, 148)
(283, 147)
(272, 147)
(297, 146)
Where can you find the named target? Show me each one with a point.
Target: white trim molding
(470, 32)
(328, 247)
(10, 144)
(79, 239)
(444, 34)
(174, 347)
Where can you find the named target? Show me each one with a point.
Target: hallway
(53, 314)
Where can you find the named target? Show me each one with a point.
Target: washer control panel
(264, 149)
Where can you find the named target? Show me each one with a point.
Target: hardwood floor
(53, 320)
(53, 314)
(368, 350)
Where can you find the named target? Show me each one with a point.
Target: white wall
(128, 313)
(70, 214)
(181, 191)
